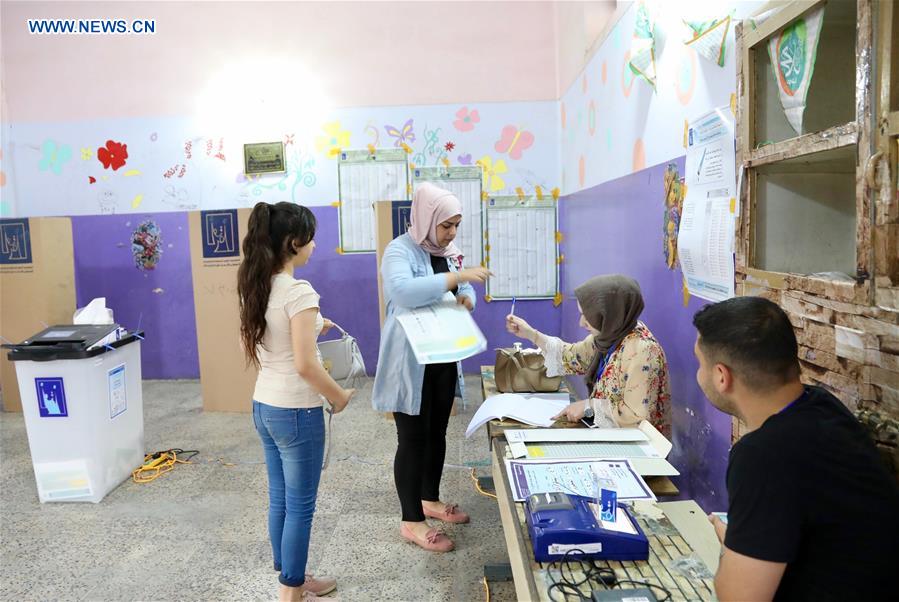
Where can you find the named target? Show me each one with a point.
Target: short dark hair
(753, 337)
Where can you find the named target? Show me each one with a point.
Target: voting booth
(225, 379)
(37, 285)
(83, 409)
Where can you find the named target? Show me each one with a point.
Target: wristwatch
(588, 409)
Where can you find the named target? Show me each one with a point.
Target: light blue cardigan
(409, 281)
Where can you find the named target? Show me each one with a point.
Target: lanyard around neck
(604, 362)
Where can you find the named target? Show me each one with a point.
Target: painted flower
(54, 156)
(86, 154)
(333, 140)
(465, 119)
(464, 159)
(449, 146)
(113, 155)
(492, 172)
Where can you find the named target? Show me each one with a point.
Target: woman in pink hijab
(418, 269)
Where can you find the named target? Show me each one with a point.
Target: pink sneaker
(435, 541)
(320, 586)
(450, 514)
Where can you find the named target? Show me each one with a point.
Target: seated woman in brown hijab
(623, 364)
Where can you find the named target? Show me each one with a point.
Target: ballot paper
(577, 477)
(536, 409)
(96, 312)
(442, 332)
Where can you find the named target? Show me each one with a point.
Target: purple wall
(104, 267)
(491, 318)
(616, 227)
(347, 284)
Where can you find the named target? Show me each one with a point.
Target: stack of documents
(536, 409)
(644, 447)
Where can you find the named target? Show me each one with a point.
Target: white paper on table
(576, 435)
(577, 477)
(534, 409)
(441, 332)
(705, 240)
(645, 447)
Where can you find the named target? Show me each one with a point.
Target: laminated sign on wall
(522, 248)
(705, 240)
(364, 178)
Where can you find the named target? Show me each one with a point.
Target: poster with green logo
(793, 51)
(642, 60)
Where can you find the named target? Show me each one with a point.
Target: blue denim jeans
(294, 445)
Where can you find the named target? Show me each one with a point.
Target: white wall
(363, 54)
(613, 124)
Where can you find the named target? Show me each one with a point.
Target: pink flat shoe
(319, 586)
(435, 541)
(451, 514)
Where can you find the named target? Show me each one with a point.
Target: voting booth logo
(402, 217)
(220, 237)
(51, 397)
(15, 242)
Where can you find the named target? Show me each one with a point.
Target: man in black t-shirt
(814, 513)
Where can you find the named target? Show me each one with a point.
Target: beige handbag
(519, 372)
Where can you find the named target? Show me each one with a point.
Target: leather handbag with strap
(520, 371)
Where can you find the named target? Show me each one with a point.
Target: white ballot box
(81, 398)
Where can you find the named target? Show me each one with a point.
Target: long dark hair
(266, 248)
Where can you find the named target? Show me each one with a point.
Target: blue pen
(512, 312)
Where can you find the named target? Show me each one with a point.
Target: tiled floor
(199, 532)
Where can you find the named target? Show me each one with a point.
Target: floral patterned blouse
(634, 380)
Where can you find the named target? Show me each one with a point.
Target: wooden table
(661, 486)
(682, 557)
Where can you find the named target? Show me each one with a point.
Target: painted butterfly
(514, 141)
(403, 136)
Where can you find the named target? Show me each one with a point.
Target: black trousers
(418, 465)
